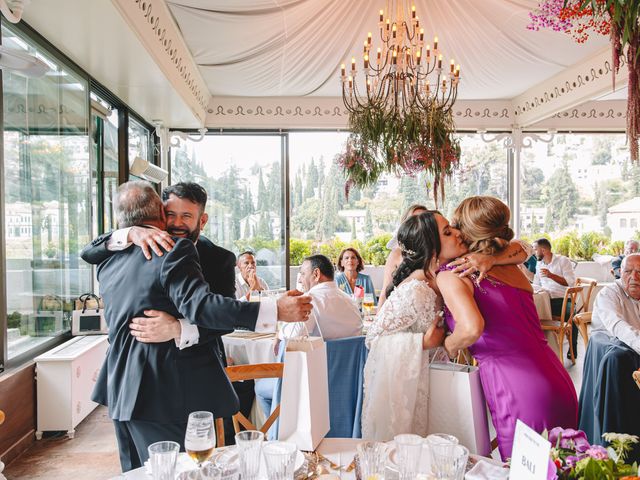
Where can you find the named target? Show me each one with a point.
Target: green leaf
(592, 470)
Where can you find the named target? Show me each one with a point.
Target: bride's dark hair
(419, 241)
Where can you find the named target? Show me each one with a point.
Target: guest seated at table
(350, 264)
(616, 310)
(247, 279)
(554, 273)
(395, 256)
(334, 315)
(631, 246)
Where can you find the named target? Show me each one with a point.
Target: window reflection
(47, 199)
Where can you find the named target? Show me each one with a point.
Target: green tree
(368, 223)
(312, 180)
(263, 196)
(264, 226)
(560, 195)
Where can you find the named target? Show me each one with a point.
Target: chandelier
(400, 113)
(403, 73)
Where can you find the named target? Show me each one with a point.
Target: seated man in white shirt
(334, 314)
(554, 273)
(247, 279)
(616, 310)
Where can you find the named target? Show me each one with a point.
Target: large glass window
(582, 191)
(324, 219)
(47, 200)
(243, 177)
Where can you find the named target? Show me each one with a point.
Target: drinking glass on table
(367, 304)
(443, 451)
(199, 440)
(280, 460)
(372, 458)
(162, 458)
(249, 444)
(408, 454)
(254, 296)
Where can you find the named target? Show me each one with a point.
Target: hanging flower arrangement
(616, 18)
(400, 143)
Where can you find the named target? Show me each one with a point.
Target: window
(634, 223)
(575, 183)
(324, 219)
(243, 178)
(47, 198)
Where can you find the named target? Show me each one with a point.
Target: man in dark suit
(184, 205)
(150, 388)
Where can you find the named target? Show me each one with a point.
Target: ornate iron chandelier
(402, 74)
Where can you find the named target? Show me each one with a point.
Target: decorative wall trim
(329, 112)
(573, 86)
(154, 25)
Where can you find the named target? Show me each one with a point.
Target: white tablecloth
(245, 351)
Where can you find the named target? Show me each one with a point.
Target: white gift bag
(304, 404)
(457, 405)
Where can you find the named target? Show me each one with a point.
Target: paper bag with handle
(304, 406)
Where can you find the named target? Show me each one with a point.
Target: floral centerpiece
(616, 18)
(572, 457)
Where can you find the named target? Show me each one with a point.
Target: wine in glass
(368, 304)
(199, 440)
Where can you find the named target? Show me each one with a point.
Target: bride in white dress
(407, 328)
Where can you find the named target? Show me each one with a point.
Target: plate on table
(229, 459)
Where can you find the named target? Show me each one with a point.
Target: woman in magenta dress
(496, 319)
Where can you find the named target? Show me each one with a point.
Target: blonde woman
(497, 321)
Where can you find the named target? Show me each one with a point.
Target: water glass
(372, 458)
(254, 296)
(249, 444)
(442, 449)
(408, 454)
(280, 460)
(162, 458)
(199, 440)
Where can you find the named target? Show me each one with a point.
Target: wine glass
(368, 304)
(199, 440)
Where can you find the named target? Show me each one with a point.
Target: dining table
(333, 459)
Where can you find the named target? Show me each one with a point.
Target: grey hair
(627, 257)
(137, 203)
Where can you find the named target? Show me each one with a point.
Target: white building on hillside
(624, 218)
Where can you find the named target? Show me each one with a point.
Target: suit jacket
(158, 382)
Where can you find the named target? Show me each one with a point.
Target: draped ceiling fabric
(295, 47)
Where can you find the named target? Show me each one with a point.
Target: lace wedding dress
(396, 375)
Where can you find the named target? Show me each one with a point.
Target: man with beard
(184, 204)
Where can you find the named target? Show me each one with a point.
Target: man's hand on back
(294, 306)
(151, 239)
(156, 327)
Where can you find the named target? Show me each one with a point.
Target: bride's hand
(474, 263)
(433, 337)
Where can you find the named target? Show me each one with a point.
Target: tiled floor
(93, 453)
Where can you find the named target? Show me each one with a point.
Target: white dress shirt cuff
(119, 240)
(267, 315)
(189, 334)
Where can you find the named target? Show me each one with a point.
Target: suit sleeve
(228, 276)
(96, 252)
(182, 279)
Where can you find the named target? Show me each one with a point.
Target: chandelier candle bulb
(458, 71)
(453, 65)
(379, 55)
(353, 64)
(369, 39)
(435, 45)
(381, 18)
(366, 61)
(428, 52)
(413, 11)
(394, 30)
(418, 56)
(439, 61)
(343, 71)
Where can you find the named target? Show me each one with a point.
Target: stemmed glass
(199, 440)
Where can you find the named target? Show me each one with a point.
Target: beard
(539, 257)
(192, 235)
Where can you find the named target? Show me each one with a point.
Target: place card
(530, 454)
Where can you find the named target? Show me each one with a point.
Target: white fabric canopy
(295, 47)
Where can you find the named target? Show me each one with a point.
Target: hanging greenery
(401, 143)
(616, 18)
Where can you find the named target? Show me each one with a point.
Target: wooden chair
(239, 373)
(589, 284)
(561, 326)
(582, 317)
